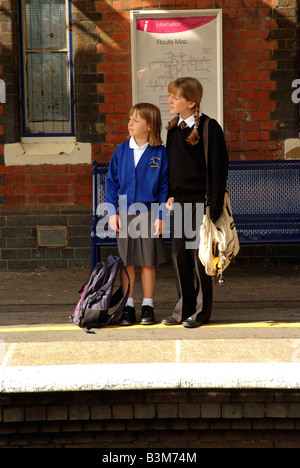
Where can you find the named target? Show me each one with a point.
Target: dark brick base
(19, 246)
(174, 419)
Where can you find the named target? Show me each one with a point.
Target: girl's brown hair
(191, 90)
(151, 114)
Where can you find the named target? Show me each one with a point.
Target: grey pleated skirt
(136, 243)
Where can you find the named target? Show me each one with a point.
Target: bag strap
(118, 294)
(205, 144)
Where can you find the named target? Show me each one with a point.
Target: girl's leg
(148, 284)
(148, 281)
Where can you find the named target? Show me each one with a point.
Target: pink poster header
(172, 25)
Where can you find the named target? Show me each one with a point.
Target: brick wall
(260, 62)
(261, 59)
(170, 419)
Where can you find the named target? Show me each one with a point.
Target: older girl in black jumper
(187, 171)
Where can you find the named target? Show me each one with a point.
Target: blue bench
(265, 200)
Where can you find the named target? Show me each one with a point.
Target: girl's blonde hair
(191, 90)
(151, 114)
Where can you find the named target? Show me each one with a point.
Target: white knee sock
(147, 302)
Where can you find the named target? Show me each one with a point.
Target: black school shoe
(170, 321)
(202, 319)
(147, 317)
(128, 316)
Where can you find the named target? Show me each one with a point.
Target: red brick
(251, 126)
(256, 136)
(105, 108)
(6, 189)
(21, 199)
(83, 199)
(268, 85)
(63, 199)
(37, 169)
(6, 169)
(21, 169)
(20, 179)
(54, 189)
(259, 115)
(121, 37)
(251, 86)
(254, 34)
(104, 26)
(116, 138)
(104, 48)
(254, 96)
(102, 5)
(57, 169)
(117, 57)
(268, 125)
(122, 88)
(116, 98)
(118, 78)
(22, 189)
(116, 118)
(267, 105)
(104, 68)
(37, 189)
(121, 67)
(64, 179)
(44, 179)
(104, 88)
(249, 76)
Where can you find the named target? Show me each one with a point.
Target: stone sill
(292, 148)
(40, 150)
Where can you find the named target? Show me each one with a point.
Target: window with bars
(47, 86)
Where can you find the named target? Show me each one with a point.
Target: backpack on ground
(92, 309)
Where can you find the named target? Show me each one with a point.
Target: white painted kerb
(149, 377)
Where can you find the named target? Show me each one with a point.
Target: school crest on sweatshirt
(154, 162)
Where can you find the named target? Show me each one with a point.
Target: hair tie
(195, 126)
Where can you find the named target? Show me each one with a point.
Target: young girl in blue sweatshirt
(137, 187)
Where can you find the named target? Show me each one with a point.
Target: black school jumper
(187, 172)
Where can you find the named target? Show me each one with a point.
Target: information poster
(173, 44)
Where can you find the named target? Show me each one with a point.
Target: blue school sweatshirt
(146, 183)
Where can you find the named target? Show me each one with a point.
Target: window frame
(57, 126)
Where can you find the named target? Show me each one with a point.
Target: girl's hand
(159, 225)
(115, 223)
(169, 204)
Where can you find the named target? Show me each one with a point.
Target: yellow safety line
(47, 328)
(40, 328)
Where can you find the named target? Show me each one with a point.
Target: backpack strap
(117, 296)
(205, 144)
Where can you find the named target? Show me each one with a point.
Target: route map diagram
(174, 65)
